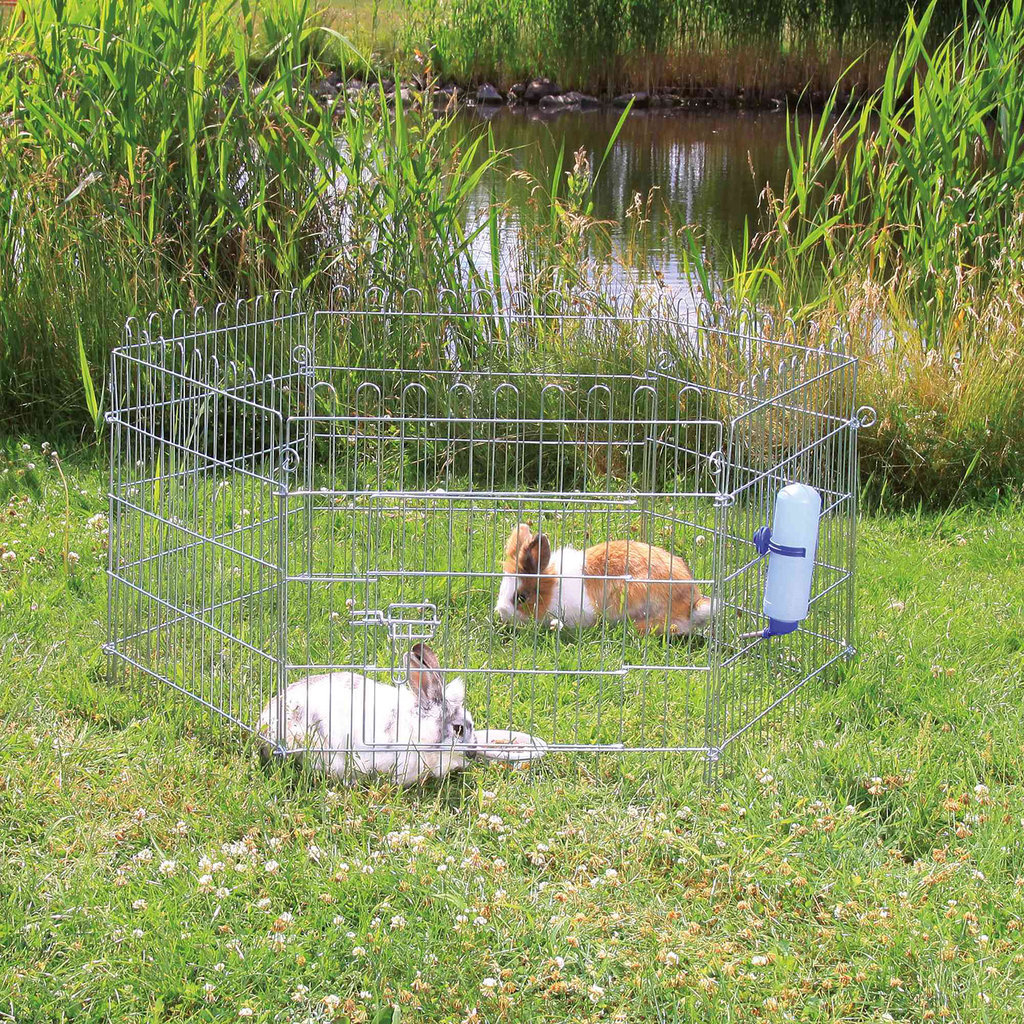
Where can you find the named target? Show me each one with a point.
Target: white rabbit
(333, 722)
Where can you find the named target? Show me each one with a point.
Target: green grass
(865, 864)
(378, 28)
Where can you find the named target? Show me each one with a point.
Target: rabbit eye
(521, 597)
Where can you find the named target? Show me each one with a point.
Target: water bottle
(791, 544)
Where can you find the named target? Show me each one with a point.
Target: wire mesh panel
(367, 536)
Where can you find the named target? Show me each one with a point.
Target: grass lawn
(372, 26)
(865, 864)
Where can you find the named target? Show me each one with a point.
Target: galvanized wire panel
(298, 499)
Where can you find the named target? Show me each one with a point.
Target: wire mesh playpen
(299, 494)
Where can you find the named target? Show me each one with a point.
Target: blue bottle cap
(776, 627)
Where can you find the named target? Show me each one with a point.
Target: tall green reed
(921, 188)
(162, 153)
(900, 221)
(609, 44)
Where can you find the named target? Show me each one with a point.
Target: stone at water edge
(486, 93)
(569, 101)
(325, 91)
(640, 99)
(539, 88)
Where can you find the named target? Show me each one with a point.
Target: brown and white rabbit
(333, 720)
(620, 579)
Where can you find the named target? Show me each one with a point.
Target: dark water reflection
(707, 169)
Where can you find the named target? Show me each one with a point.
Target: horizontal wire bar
(375, 574)
(364, 668)
(370, 747)
(506, 497)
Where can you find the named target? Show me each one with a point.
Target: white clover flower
(8, 556)
(263, 904)
(358, 951)
(206, 883)
(137, 933)
(73, 557)
(222, 893)
(271, 867)
(398, 921)
(205, 864)
(144, 856)
(300, 994)
(168, 867)
(595, 992)
(759, 961)
(275, 842)
(671, 959)
(139, 905)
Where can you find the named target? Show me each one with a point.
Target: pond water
(707, 169)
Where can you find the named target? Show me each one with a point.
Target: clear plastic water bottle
(791, 545)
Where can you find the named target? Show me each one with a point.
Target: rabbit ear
(455, 693)
(517, 541)
(424, 674)
(535, 556)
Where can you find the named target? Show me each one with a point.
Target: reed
(901, 222)
(163, 153)
(611, 45)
